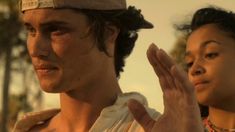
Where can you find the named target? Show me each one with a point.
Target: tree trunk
(5, 92)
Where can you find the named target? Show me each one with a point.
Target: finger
(154, 61)
(164, 65)
(140, 114)
(169, 64)
(156, 64)
(151, 55)
(182, 79)
(165, 59)
(163, 73)
(31, 119)
(164, 78)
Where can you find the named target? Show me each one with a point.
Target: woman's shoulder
(34, 119)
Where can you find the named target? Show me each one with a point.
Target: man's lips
(45, 68)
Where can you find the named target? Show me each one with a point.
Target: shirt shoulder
(31, 119)
(118, 118)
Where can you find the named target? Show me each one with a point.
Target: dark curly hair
(223, 19)
(129, 21)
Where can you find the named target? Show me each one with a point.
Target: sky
(138, 74)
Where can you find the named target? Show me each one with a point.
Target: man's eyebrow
(59, 23)
(203, 44)
(45, 24)
(27, 24)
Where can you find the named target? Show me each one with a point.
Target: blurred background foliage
(15, 62)
(178, 51)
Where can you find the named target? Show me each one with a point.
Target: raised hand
(181, 111)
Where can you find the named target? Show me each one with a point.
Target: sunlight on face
(210, 59)
(61, 55)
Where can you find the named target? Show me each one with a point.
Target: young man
(78, 49)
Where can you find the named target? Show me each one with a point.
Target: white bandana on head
(80, 4)
(33, 4)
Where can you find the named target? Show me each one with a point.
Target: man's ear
(110, 35)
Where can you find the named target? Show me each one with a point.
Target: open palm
(181, 111)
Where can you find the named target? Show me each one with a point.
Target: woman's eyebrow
(204, 44)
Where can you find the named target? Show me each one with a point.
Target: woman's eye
(211, 55)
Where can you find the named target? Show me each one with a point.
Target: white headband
(80, 4)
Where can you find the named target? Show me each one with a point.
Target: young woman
(210, 53)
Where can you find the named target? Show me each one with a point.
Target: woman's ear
(110, 35)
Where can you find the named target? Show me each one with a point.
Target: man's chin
(50, 88)
(47, 90)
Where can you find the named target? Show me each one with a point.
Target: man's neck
(80, 109)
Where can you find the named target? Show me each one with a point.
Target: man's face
(210, 56)
(63, 52)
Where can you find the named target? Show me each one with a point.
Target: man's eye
(211, 55)
(31, 31)
(54, 30)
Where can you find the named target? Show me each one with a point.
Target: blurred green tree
(13, 52)
(9, 31)
(178, 51)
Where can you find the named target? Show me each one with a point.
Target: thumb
(140, 114)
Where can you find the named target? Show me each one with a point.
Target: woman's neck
(221, 118)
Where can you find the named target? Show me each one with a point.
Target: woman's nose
(197, 69)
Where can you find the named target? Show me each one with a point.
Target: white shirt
(115, 118)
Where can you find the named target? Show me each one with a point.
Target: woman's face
(210, 57)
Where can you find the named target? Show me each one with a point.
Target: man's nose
(39, 46)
